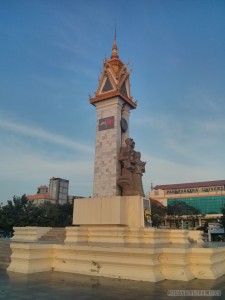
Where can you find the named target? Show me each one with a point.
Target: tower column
(113, 103)
(108, 142)
(125, 114)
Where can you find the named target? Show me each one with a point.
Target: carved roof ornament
(115, 80)
(114, 54)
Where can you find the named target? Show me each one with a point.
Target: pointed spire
(114, 48)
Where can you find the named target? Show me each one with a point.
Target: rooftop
(40, 196)
(189, 185)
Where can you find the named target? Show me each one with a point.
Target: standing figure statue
(132, 169)
(138, 173)
(126, 157)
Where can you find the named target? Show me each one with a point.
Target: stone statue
(132, 169)
(138, 173)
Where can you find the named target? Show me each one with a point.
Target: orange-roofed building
(41, 198)
(56, 192)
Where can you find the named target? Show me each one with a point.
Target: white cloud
(23, 170)
(216, 126)
(24, 166)
(162, 171)
(19, 162)
(42, 134)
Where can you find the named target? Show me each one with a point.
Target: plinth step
(54, 234)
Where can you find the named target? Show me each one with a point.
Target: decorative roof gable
(114, 80)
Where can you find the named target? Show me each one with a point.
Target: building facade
(59, 189)
(207, 196)
(56, 192)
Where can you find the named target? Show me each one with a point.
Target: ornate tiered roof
(114, 80)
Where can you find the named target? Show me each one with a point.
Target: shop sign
(196, 190)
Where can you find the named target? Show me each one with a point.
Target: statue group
(132, 169)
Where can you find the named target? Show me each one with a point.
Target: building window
(206, 205)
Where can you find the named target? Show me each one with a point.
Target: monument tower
(118, 196)
(113, 103)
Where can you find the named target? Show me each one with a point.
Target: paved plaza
(66, 286)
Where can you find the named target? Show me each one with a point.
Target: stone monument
(113, 103)
(112, 237)
(118, 167)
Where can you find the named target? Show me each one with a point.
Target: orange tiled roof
(40, 196)
(43, 187)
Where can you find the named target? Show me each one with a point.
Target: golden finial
(114, 48)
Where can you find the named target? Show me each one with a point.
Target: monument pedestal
(147, 254)
(110, 210)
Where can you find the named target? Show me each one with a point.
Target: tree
(180, 208)
(16, 213)
(222, 219)
(55, 215)
(158, 212)
(21, 212)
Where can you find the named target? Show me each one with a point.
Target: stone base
(111, 241)
(30, 257)
(126, 254)
(125, 235)
(114, 210)
(117, 262)
(29, 233)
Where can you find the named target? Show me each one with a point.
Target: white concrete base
(114, 210)
(196, 236)
(134, 262)
(113, 242)
(29, 233)
(31, 257)
(125, 235)
(118, 262)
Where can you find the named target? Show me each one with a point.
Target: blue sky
(51, 54)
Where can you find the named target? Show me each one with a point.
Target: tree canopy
(21, 212)
(222, 219)
(180, 208)
(158, 212)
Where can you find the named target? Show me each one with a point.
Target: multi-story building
(58, 189)
(56, 192)
(207, 196)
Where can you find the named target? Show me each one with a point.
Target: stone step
(54, 234)
(5, 253)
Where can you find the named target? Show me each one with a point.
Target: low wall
(134, 260)
(125, 235)
(134, 263)
(29, 233)
(5, 253)
(196, 236)
(31, 257)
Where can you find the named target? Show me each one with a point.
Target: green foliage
(158, 212)
(21, 212)
(180, 208)
(222, 219)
